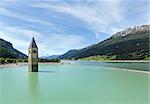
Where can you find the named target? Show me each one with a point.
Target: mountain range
(8, 51)
(131, 43)
(50, 57)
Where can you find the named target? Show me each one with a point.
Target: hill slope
(7, 50)
(134, 45)
(50, 57)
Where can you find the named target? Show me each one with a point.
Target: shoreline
(117, 60)
(22, 64)
(50, 63)
(12, 65)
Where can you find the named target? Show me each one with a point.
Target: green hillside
(131, 46)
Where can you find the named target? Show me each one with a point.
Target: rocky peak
(132, 30)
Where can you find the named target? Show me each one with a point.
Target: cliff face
(7, 50)
(133, 45)
(132, 30)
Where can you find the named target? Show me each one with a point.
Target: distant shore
(116, 60)
(119, 69)
(121, 60)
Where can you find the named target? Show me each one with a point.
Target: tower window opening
(34, 51)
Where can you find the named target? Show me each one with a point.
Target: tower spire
(33, 43)
(33, 56)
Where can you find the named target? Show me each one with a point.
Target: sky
(62, 25)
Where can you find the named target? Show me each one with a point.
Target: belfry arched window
(34, 51)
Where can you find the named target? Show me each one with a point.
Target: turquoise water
(75, 83)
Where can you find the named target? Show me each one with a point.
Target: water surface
(75, 83)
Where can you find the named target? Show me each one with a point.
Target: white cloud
(65, 41)
(58, 44)
(18, 36)
(19, 32)
(9, 13)
(114, 30)
(98, 15)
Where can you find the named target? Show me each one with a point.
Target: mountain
(7, 50)
(70, 54)
(50, 57)
(132, 43)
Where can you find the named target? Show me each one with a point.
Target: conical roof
(33, 44)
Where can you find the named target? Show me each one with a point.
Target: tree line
(21, 60)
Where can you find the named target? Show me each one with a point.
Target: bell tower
(33, 56)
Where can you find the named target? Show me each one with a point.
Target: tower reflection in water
(33, 87)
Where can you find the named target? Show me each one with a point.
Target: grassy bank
(96, 58)
(109, 58)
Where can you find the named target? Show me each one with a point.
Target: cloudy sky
(61, 25)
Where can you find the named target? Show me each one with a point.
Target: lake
(75, 82)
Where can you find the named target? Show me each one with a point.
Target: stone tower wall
(33, 60)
